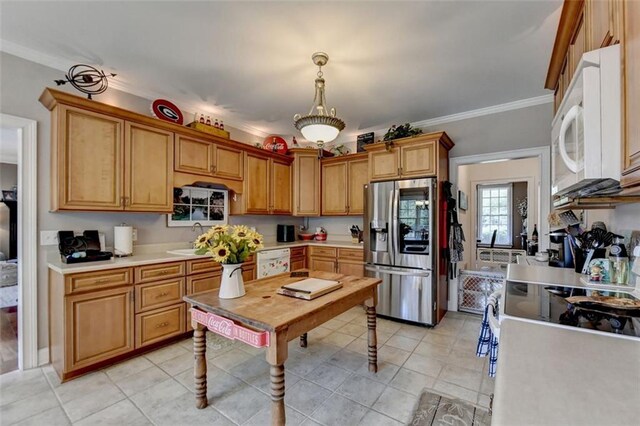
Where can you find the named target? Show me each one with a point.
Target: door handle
(413, 273)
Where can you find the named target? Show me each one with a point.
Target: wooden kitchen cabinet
(343, 180)
(148, 161)
(267, 186)
(193, 155)
(420, 156)
(160, 324)
(351, 267)
(98, 326)
(603, 19)
(280, 191)
(306, 182)
(298, 258)
(631, 94)
(228, 163)
(87, 161)
(322, 264)
(337, 259)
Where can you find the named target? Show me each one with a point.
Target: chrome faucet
(193, 229)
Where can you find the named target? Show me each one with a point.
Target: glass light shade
(319, 132)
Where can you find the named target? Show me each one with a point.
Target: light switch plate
(134, 234)
(48, 238)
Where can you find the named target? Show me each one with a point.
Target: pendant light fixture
(321, 124)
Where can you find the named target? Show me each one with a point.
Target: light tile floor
(327, 383)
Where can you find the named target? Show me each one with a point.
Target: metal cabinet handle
(163, 272)
(162, 324)
(102, 280)
(164, 293)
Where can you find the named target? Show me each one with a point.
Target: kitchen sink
(183, 252)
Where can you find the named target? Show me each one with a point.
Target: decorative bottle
(216, 125)
(208, 122)
(619, 261)
(221, 125)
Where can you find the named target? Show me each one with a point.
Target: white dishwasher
(272, 262)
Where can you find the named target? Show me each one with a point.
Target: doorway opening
(18, 256)
(507, 195)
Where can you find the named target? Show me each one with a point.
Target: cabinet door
(603, 18)
(161, 324)
(148, 169)
(297, 264)
(280, 187)
(418, 159)
(99, 326)
(384, 165)
(631, 45)
(89, 162)
(358, 178)
(256, 188)
(578, 44)
(228, 163)
(306, 185)
(193, 156)
(334, 189)
(203, 282)
(321, 264)
(249, 272)
(354, 268)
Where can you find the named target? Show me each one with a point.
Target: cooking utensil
(569, 218)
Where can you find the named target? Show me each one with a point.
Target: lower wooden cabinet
(298, 258)
(351, 267)
(98, 326)
(336, 259)
(160, 324)
(322, 264)
(159, 294)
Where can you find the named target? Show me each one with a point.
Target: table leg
(200, 365)
(372, 339)
(276, 356)
(277, 395)
(303, 340)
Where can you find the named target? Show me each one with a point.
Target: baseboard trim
(43, 356)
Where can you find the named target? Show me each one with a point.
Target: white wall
(8, 179)
(21, 83)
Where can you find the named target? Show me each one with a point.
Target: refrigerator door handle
(392, 271)
(393, 214)
(391, 232)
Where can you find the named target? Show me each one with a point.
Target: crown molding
(63, 65)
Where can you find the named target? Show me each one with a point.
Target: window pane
(494, 213)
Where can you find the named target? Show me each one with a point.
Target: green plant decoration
(402, 131)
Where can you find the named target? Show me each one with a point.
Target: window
(495, 214)
(206, 206)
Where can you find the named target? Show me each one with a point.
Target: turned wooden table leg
(303, 340)
(277, 395)
(372, 339)
(200, 365)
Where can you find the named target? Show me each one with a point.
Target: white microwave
(586, 130)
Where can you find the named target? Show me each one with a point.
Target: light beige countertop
(554, 376)
(158, 254)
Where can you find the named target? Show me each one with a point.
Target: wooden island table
(263, 318)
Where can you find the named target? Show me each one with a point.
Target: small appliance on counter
(81, 248)
(286, 233)
(321, 234)
(123, 240)
(560, 255)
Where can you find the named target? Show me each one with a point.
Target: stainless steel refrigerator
(400, 247)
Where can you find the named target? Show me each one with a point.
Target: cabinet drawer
(351, 254)
(156, 295)
(149, 273)
(348, 267)
(154, 326)
(199, 266)
(296, 265)
(298, 252)
(98, 280)
(322, 264)
(203, 282)
(322, 251)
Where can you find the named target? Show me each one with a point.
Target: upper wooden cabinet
(101, 163)
(631, 94)
(267, 186)
(148, 168)
(343, 180)
(604, 19)
(202, 157)
(419, 156)
(306, 182)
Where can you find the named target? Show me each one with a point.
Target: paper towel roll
(123, 240)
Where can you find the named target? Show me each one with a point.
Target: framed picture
(192, 204)
(463, 203)
(10, 195)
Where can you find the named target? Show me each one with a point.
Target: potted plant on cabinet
(230, 246)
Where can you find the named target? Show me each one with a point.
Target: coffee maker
(560, 255)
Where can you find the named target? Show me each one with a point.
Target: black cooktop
(550, 304)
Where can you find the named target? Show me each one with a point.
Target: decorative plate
(275, 144)
(166, 110)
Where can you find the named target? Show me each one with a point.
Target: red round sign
(165, 110)
(275, 144)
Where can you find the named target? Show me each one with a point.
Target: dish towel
(487, 342)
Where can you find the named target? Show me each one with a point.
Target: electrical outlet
(48, 238)
(134, 234)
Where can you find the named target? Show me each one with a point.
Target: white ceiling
(250, 63)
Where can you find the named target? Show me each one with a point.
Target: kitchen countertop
(551, 376)
(58, 266)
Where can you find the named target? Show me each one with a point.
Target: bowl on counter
(321, 237)
(306, 237)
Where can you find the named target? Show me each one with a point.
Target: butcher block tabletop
(263, 308)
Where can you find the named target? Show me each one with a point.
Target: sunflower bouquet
(229, 245)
